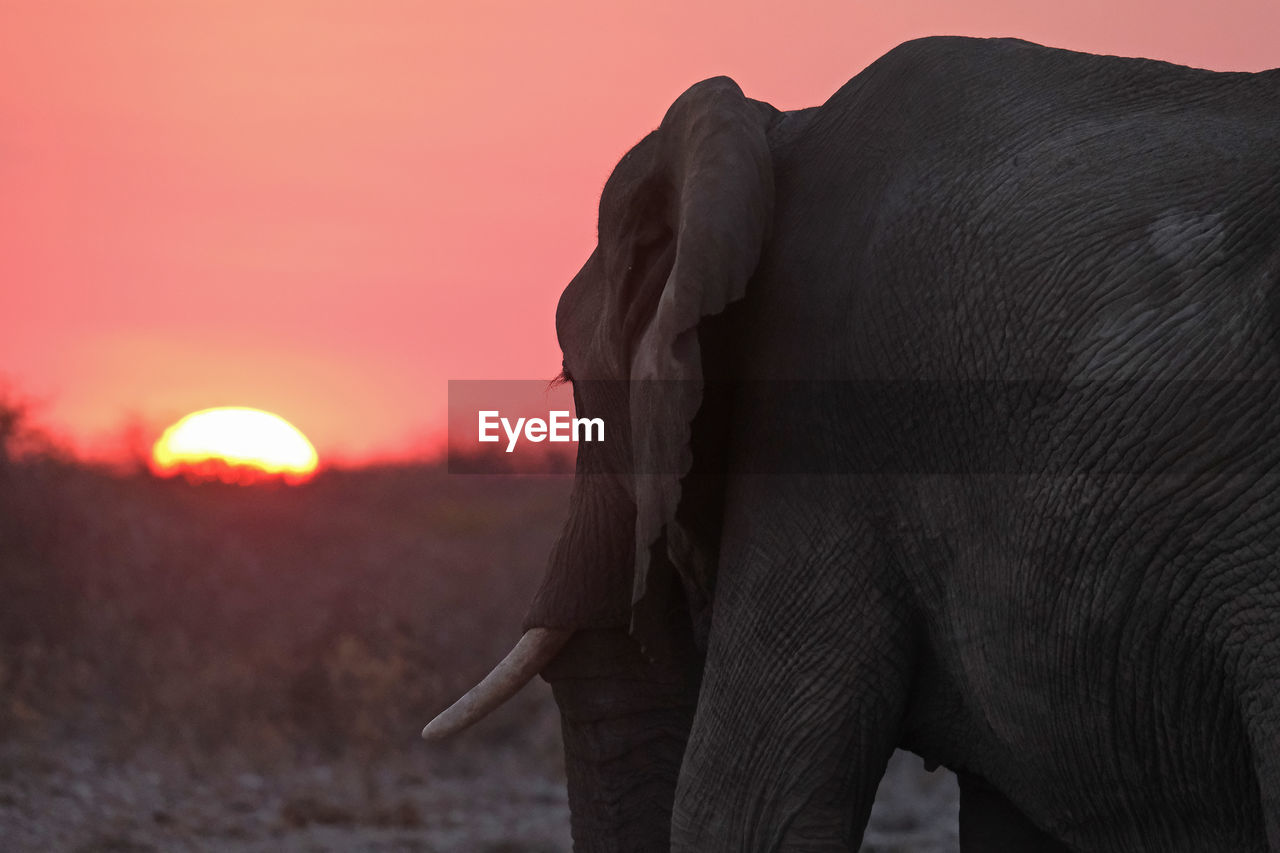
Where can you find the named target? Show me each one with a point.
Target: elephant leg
(1264, 743)
(989, 823)
(807, 676)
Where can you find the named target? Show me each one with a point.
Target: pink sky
(327, 210)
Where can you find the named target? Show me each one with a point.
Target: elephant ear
(713, 149)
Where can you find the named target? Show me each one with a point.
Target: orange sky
(329, 209)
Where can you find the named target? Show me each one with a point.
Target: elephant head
(683, 220)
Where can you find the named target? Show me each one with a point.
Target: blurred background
(327, 210)
(223, 667)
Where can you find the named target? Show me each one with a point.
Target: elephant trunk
(626, 723)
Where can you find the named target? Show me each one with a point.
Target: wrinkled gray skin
(1094, 650)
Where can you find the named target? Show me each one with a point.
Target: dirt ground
(65, 797)
(72, 802)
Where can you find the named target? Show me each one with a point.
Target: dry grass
(282, 622)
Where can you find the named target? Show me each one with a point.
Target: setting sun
(234, 444)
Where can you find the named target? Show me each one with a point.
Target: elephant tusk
(534, 651)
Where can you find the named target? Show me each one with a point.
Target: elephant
(942, 416)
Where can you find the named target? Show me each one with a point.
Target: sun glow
(234, 444)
